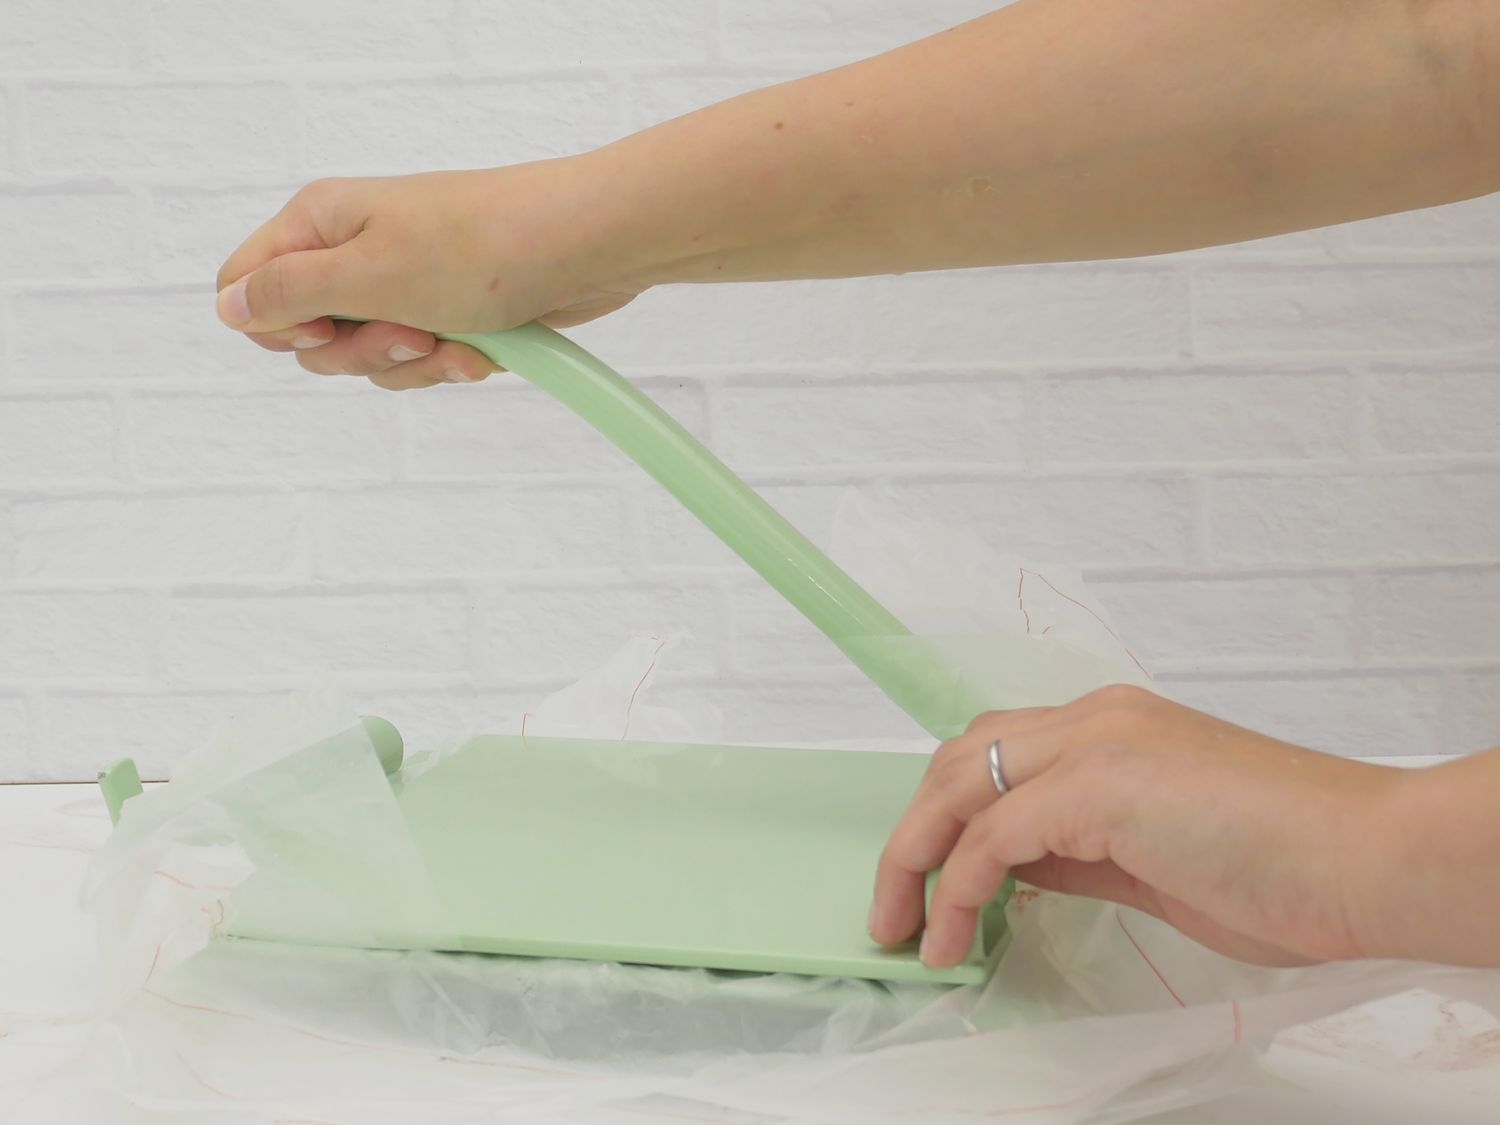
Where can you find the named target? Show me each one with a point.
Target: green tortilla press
(721, 857)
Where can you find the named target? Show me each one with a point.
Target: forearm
(1441, 889)
(1068, 129)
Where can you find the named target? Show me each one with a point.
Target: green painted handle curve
(916, 680)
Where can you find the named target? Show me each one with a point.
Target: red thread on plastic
(1096, 617)
(183, 883)
(212, 1089)
(1120, 918)
(646, 675)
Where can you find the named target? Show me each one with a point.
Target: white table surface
(44, 830)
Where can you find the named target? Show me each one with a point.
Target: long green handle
(915, 680)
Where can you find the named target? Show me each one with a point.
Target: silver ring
(996, 771)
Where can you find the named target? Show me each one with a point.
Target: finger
(958, 784)
(1008, 833)
(289, 230)
(330, 358)
(371, 348)
(356, 351)
(398, 379)
(952, 793)
(299, 287)
(313, 334)
(450, 362)
(1004, 720)
(322, 214)
(1035, 740)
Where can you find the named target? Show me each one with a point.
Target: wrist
(645, 224)
(1422, 852)
(732, 192)
(563, 229)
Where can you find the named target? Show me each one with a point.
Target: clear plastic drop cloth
(989, 630)
(122, 1002)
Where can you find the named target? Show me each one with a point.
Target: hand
(1256, 848)
(412, 255)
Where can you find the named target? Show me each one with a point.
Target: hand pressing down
(1262, 850)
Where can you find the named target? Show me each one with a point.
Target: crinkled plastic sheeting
(1095, 1014)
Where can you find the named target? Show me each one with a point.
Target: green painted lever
(843, 610)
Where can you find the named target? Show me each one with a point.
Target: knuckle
(460, 357)
(272, 286)
(1115, 695)
(945, 752)
(317, 191)
(982, 721)
(896, 856)
(1122, 701)
(949, 778)
(964, 886)
(887, 860)
(366, 361)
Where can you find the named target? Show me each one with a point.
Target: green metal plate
(739, 858)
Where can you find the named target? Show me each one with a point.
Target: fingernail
(870, 921)
(922, 948)
(454, 375)
(400, 353)
(233, 306)
(302, 342)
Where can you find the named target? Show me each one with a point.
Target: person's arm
(1070, 129)
(1262, 850)
(1442, 897)
(1051, 129)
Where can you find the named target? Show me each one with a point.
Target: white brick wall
(1278, 462)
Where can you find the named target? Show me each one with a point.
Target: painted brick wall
(1279, 463)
